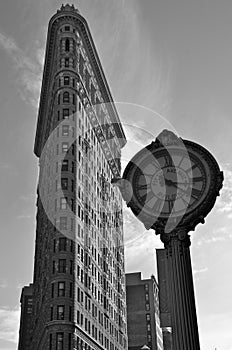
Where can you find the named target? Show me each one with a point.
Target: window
(62, 241)
(67, 45)
(146, 287)
(73, 149)
(64, 165)
(65, 113)
(69, 341)
(148, 317)
(63, 223)
(78, 317)
(59, 341)
(149, 327)
(61, 289)
(62, 266)
(50, 342)
(64, 183)
(147, 307)
(67, 28)
(52, 290)
(63, 203)
(66, 80)
(65, 130)
(71, 267)
(66, 62)
(73, 167)
(72, 224)
(51, 313)
(71, 290)
(147, 297)
(70, 313)
(66, 97)
(72, 205)
(74, 99)
(65, 146)
(60, 312)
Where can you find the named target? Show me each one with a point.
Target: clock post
(171, 185)
(180, 282)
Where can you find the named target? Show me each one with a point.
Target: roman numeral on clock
(198, 179)
(195, 193)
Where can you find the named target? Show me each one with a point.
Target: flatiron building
(79, 280)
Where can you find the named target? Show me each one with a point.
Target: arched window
(67, 45)
(66, 97)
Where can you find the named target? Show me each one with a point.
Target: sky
(169, 65)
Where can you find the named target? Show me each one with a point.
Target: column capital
(180, 236)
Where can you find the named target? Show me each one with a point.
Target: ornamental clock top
(171, 183)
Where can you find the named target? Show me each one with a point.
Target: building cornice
(73, 15)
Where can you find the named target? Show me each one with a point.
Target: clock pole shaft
(183, 309)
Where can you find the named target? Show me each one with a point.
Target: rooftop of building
(135, 278)
(27, 291)
(68, 8)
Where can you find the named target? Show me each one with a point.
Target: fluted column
(183, 310)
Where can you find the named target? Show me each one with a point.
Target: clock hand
(170, 183)
(173, 183)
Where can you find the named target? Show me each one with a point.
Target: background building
(79, 282)
(164, 298)
(143, 323)
(26, 301)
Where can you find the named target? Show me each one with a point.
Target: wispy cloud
(5, 165)
(216, 328)
(9, 324)
(28, 70)
(202, 270)
(3, 284)
(140, 246)
(22, 217)
(210, 240)
(224, 204)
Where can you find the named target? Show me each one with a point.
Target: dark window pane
(64, 165)
(59, 341)
(60, 312)
(62, 243)
(66, 80)
(61, 289)
(66, 97)
(62, 266)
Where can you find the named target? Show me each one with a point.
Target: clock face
(170, 181)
